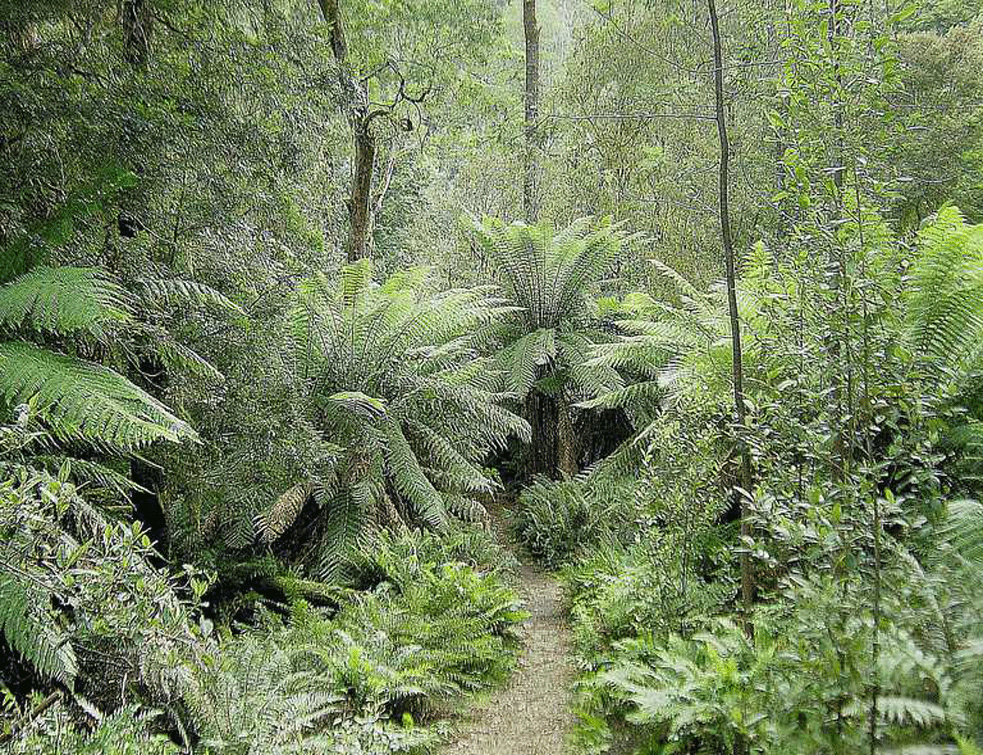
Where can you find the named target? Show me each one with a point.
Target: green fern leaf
(85, 401)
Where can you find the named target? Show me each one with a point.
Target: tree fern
(545, 345)
(175, 292)
(394, 378)
(943, 329)
(252, 699)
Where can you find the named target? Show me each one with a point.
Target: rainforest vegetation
(607, 370)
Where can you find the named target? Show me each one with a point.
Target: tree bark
(21, 32)
(568, 444)
(359, 204)
(332, 16)
(356, 107)
(138, 22)
(530, 199)
(747, 578)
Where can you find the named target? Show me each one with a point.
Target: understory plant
(549, 278)
(395, 378)
(866, 626)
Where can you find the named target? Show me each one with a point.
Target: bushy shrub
(401, 557)
(652, 588)
(371, 676)
(557, 520)
(80, 599)
(801, 682)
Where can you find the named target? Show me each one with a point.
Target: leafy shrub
(648, 588)
(445, 631)
(400, 558)
(556, 521)
(78, 589)
(802, 684)
(128, 731)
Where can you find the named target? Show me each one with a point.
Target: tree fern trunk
(544, 419)
(568, 443)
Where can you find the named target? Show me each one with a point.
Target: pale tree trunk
(360, 209)
(530, 199)
(747, 577)
(21, 32)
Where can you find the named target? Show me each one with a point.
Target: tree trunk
(21, 32)
(530, 199)
(332, 17)
(842, 385)
(747, 578)
(544, 419)
(356, 107)
(359, 205)
(137, 19)
(568, 445)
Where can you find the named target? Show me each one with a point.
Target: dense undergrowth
(367, 670)
(866, 616)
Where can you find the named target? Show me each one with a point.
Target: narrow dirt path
(531, 715)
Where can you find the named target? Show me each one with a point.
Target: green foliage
(666, 674)
(684, 349)
(430, 630)
(940, 55)
(127, 731)
(79, 399)
(943, 317)
(36, 638)
(557, 521)
(395, 379)
(56, 301)
(174, 193)
(800, 685)
(250, 699)
(79, 590)
(548, 276)
(85, 401)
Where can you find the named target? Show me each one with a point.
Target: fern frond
(83, 401)
(176, 292)
(409, 479)
(63, 300)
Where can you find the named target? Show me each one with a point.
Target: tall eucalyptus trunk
(356, 108)
(530, 198)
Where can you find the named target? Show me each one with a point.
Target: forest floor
(531, 714)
